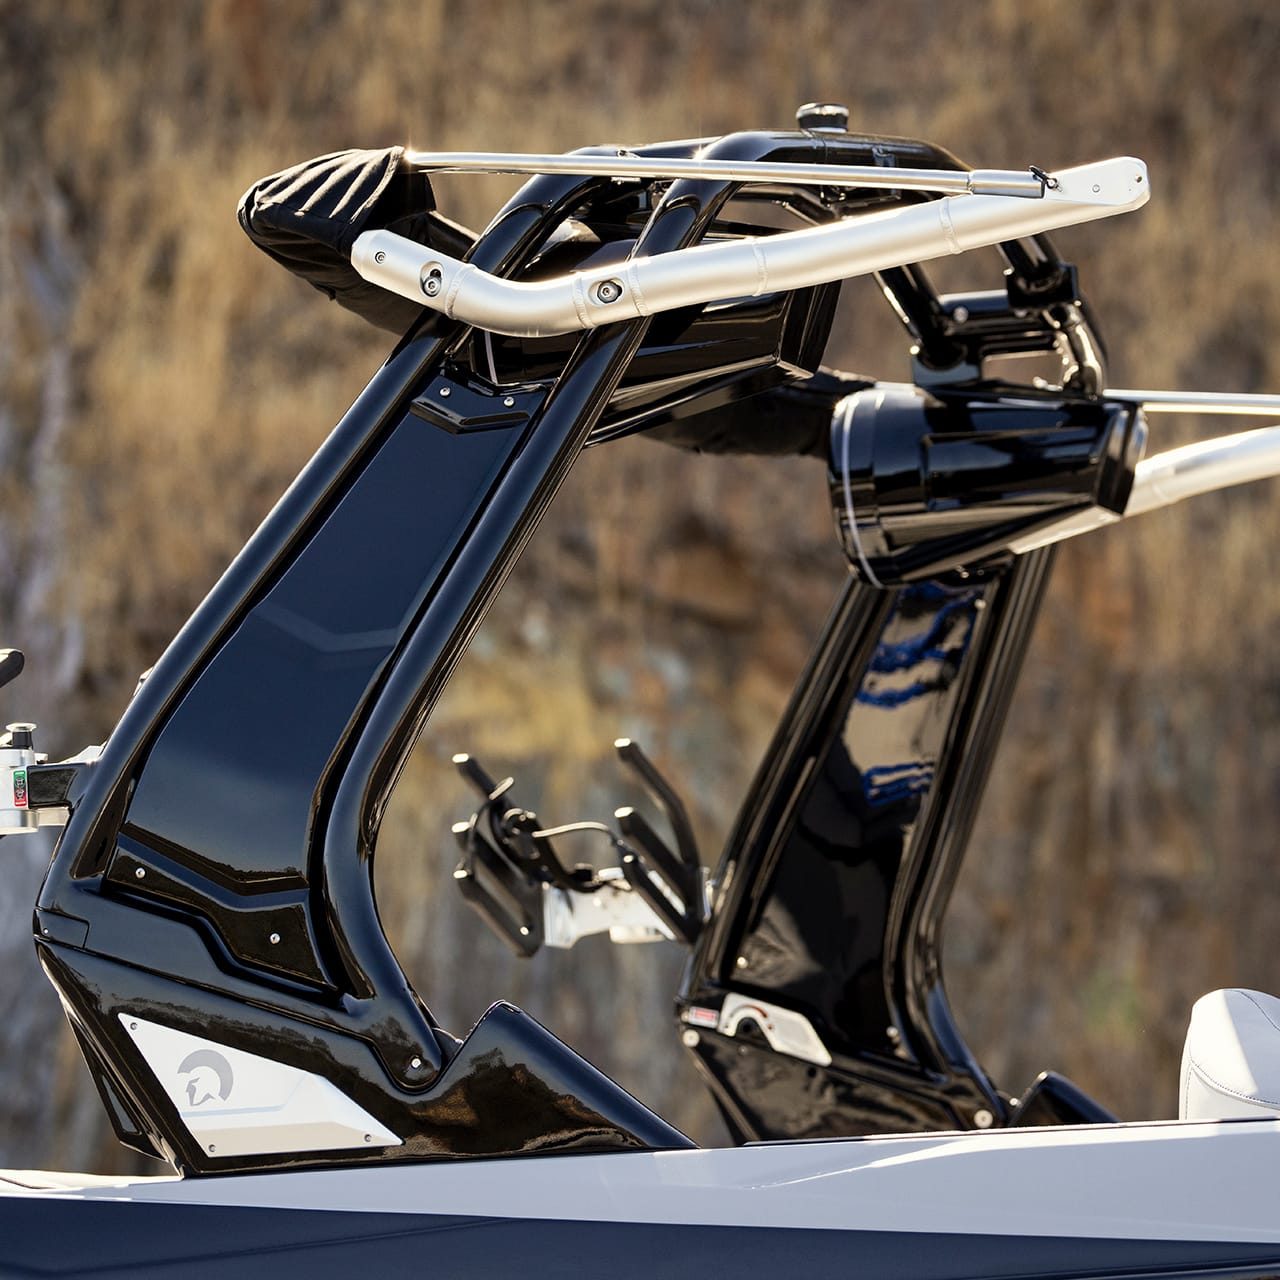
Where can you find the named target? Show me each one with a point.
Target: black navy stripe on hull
(57, 1237)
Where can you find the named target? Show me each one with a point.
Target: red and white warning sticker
(700, 1017)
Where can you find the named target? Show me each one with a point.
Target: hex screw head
(608, 291)
(431, 279)
(141, 873)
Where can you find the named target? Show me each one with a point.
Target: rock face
(160, 384)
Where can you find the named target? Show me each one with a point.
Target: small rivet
(380, 257)
(368, 1137)
(141, 873)
(960, 315)
(524, 931)
(415, 1064)
(690, 1039)
(444, 393)
(743, 962)
(1096, 188)
(274, 939)
(45, 932)
(983, 1118)
(509, 401)
(133, 1026)
(212, 1148)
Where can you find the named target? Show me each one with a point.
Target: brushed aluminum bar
(1009, 182)
(744, 267)
(1204, 402)
(1169, 477)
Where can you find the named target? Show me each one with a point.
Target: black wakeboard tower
(209, 918)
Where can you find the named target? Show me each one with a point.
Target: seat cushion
(1231, 1061)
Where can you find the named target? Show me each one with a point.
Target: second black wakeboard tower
(209, 917)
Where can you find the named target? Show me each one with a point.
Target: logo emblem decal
(210, 1076)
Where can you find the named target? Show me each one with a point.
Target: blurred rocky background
(161, 382)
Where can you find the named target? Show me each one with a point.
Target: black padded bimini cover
(308, 217)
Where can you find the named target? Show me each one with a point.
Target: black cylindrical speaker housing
(923, 483)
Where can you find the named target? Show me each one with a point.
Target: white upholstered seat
(1231, 1061)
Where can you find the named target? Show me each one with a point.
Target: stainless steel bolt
(608, 291)
(274, 939)
(141, 873)
(509, 401)
(983, 1118)
(445, 393)
(415, 1064)
(690, 1039)
(960, 315)
(431, 279)
(743, 962)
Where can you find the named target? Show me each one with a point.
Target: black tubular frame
(255, 920)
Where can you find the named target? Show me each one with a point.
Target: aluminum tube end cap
(1119, 183)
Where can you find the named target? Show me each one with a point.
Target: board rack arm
(744, 267)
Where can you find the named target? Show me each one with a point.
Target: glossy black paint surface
(843, 858)
(225, 837)
(216, 874)
(939, 482)
(509, 1088)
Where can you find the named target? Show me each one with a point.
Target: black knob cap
(823, 115)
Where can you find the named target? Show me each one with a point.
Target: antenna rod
(1026, 183)
(1201, 402)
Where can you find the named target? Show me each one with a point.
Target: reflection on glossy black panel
(818, 941)
(233, 777)
(511, 1087)
(769, 1096)
(836, 879)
